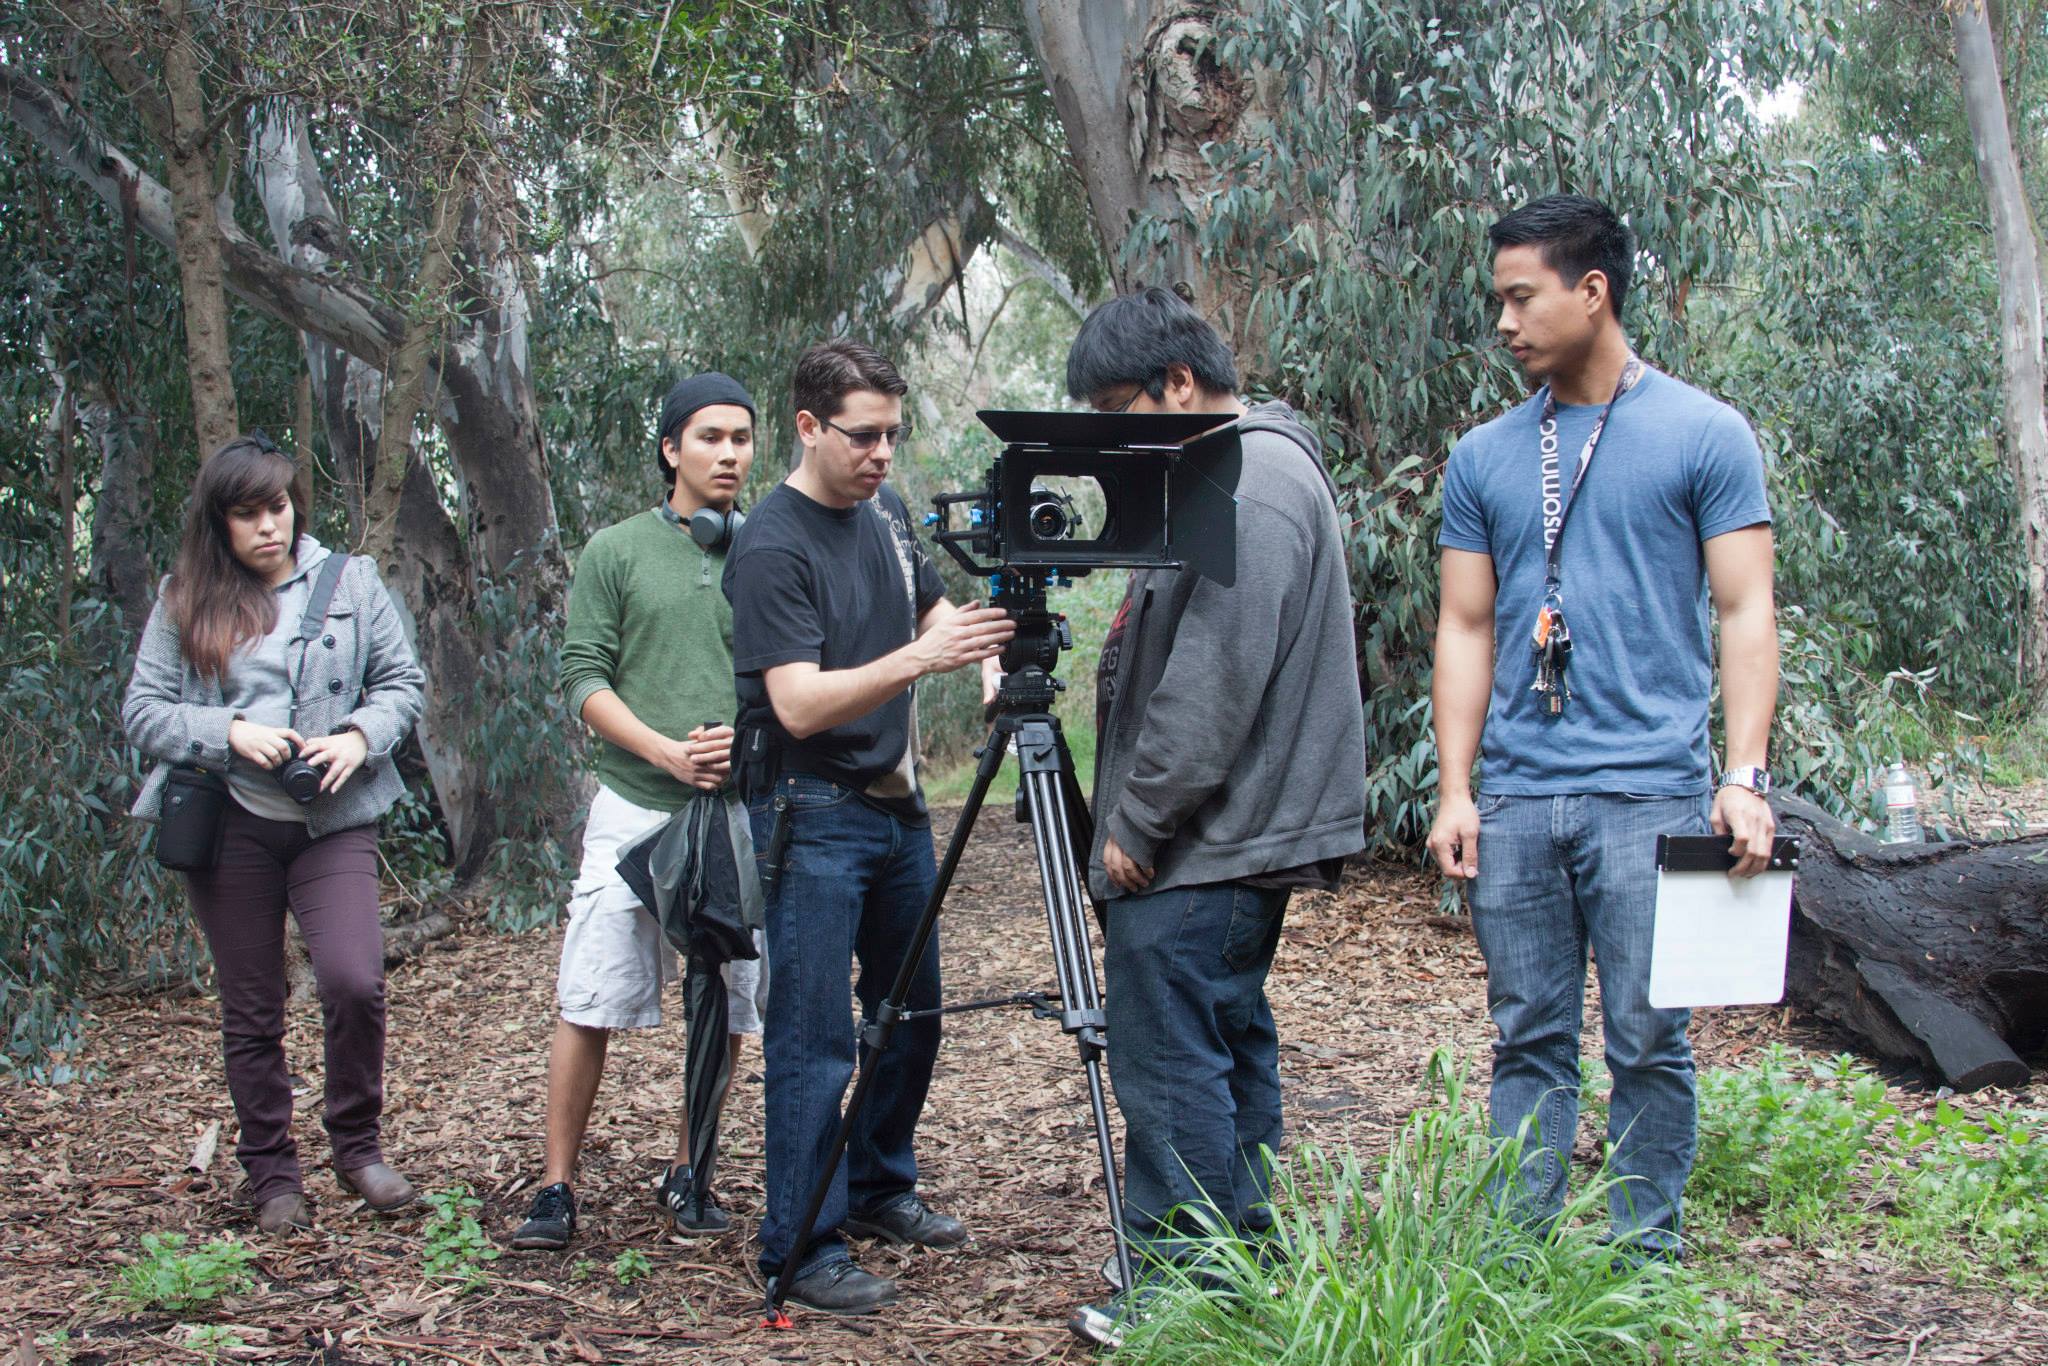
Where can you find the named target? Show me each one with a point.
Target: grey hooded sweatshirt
(1232, 742)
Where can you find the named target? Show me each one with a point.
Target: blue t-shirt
(1674, 468)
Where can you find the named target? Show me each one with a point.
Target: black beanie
(701, 391)
(691, 394)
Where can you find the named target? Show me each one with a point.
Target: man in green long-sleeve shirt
(647, 665)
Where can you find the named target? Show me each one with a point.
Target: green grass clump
(168, 1276)
(1412, 1262)
(1785, 1141)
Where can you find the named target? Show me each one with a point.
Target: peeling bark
(1139, 91)
(2019, 316)
(126, 443)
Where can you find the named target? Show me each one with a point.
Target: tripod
(1061, 833)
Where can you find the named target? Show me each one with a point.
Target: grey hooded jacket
(360, 672)
(1234, 743)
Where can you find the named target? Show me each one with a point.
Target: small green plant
(630, 1265)
(1786, 1141)
(456, 1247)
(167, 1276)
(55, 1346)
(583, 1269)
(210, 1340)
(1969, 1192)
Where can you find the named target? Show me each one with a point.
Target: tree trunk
(1935, 954)
(1139, 92)
(126, 444)
(307, 231)
(406, 382)
(188, 167)
(2019, 316)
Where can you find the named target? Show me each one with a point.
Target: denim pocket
(1254, 927)
(1491, 802)
(807, 792)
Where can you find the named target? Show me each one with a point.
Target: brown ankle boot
(286, 1213)
(384, 1189)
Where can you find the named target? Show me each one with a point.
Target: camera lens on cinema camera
(1050, 518)
(299, 779)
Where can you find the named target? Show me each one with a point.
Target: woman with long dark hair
(229, 680)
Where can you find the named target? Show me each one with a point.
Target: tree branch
(337, 310)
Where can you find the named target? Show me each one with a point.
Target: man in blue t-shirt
(1604, 511)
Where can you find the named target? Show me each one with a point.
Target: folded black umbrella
(695, 875)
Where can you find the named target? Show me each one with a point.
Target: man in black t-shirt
(837, 613)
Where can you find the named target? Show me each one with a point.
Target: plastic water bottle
(1901, 807)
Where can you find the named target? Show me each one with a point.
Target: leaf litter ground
(1369, 980)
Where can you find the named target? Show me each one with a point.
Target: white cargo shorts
(615, 959)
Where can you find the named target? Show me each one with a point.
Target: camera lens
(1049, 522)
(299, 779)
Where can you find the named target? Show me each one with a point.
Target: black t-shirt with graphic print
(837, 587)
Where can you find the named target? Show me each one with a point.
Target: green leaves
(167, 1276)
(455, 1248)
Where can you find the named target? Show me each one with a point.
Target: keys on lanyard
(1551, 644)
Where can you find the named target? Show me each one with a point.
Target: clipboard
(1719, 940)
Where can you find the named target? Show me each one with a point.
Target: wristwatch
(1757, 780)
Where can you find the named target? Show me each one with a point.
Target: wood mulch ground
(1369, 981)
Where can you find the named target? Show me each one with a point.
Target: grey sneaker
(841, 1288)
(906, 1220)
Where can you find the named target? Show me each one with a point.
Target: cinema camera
(1165, 504)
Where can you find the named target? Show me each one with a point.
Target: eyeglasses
(1125, 406)
(868, 440)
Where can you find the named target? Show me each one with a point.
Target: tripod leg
(1050, 793)
(875, 1034)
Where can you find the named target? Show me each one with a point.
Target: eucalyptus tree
(2016, 247)
(1320, 179)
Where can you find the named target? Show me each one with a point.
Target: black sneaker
(690, 1214)
(905, 1220)
(550, 1221)
(841, 1288)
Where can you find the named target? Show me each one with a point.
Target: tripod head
(1033, 654)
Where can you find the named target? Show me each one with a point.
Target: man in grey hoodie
(1230, 769)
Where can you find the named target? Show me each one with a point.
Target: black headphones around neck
(713, 529)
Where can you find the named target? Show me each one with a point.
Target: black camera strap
(1557, 507)
(1550, 641)
(311, 622)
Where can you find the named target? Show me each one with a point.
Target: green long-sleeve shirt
(647, 620)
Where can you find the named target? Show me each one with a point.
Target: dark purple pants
(330, 884)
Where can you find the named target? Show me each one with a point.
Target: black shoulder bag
(195, 808)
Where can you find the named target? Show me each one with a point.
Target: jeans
(1193, 1055)
(330, 885)
(854, 882)
(1555, 875)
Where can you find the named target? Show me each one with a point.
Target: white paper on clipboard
(1719, 940)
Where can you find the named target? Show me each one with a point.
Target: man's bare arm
(1462, 681)
(808, 699)
(1739, 575)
